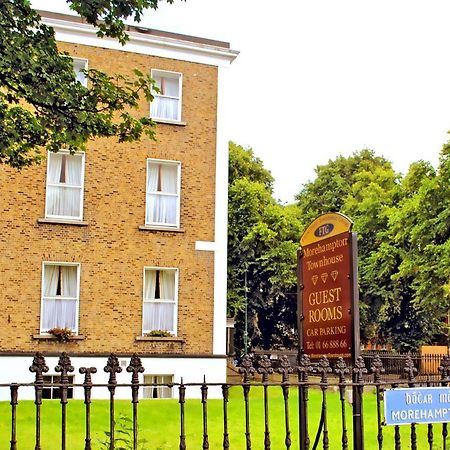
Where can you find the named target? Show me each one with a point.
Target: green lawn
(159, 422)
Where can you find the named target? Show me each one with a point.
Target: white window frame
(77, 298)
(147, 390)
(80, 64)
(55, 391)
(81, 187)
(168, 74)
(174, 301)
(178, 194)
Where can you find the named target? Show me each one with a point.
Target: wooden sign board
(328, 295)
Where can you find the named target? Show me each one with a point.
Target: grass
(159, 422)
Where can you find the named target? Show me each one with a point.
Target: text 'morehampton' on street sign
(328, 296)
(403, 406)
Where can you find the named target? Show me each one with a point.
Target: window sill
(169, 122)
(79, 223)
(49, 337)
(159, 228)
(156, 338)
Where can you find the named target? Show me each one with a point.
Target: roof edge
(144, 31)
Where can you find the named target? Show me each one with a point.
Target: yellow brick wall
(111, 249)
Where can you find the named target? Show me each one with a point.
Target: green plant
(61, 334)
(123, 436)
(159, 333)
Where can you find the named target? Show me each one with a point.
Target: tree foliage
(42, 104)
(420, 228)
(403, 227)
(363, 186)
(262, 244)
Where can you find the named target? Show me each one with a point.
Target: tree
(334, 182)
(364, 187)
(420, 228)
(403, 227)
(42, 104)
(397, 321)
(262, 243)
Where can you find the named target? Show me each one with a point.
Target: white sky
(319, 78)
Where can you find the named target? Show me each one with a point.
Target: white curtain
(165, 105)
(78, 66)
(81, 77)
(169, 86)
(72, 194)
(165, 108)
(69, 281)
(150, 284)
(157, 391)
(64, 185)
(53, 176)
(59, 309)
(162, 194)
(159, 315)
(152, 186)
(51, 277)
(167, 284)
(153, 176)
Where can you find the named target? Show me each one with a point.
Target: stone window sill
(169, 122)
(78, 223)
(157, 338)
(49, 337)
(157, 228)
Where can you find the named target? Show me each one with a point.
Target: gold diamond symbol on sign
(334, 274)
(314, 279)
(324, 277)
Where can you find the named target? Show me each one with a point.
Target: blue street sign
(403, 406)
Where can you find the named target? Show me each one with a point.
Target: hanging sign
(328, 294)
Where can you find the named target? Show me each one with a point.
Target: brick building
(125, 239)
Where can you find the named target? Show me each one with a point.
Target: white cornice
(165, 47)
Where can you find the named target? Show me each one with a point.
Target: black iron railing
(427, 365)
(393, 362)
(305, 424)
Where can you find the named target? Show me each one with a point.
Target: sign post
(328, 300)
(328, 294)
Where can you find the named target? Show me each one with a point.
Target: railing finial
(135, 368)
(246, 369)
(341, 369)
(444, 368)
(377, 369)
(39, 367)
(410, 369)
(324, 369)
(359, 369)
(304, 368)
(64, 367)
(265, 368)
(285, 368)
